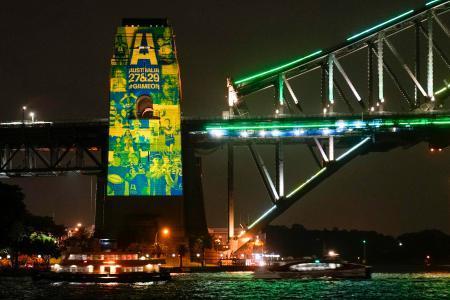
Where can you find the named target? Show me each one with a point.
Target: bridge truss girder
(30, 161)
(330, 152)
(423, 20)
(51, 150)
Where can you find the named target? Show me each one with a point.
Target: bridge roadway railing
(53, 148)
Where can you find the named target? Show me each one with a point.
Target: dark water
(240, 286)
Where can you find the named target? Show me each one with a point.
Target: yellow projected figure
(119, 81)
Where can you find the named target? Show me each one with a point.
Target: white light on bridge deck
(341, 124)
(299, 132)
(262, 133)
(358, 124)
(244, 134)
(276, 133)
(218, 133)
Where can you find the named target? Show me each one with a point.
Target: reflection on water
(238, 285)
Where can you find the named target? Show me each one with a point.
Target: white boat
(314, 269)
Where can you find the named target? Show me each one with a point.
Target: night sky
(55, 59)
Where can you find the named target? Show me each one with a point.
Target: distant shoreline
(409, 268)
(389, 269)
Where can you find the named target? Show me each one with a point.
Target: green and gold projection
(144, 157)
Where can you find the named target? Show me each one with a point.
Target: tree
(44, 224)
(157, 250)
(12, 215)
(44, 245)
(21, 231)
(201, 243)
(79, 241)
(181, 250)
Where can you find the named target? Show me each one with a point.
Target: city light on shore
(165, 231)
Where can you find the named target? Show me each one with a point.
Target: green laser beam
(381, 25)
(273, 70)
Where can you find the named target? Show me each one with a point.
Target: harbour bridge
(385, 103)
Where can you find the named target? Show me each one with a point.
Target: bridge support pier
(280, 96)
(430, 61)
(100, 193)
(230, 193)
(279, 167)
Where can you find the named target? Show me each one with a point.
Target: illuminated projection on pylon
(144, 157)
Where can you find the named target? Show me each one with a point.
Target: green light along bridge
(370, 122)
(332, 140)
(365, 125)
(373, 40)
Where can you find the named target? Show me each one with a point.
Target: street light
(79, 224)
(332, 253)
(32, 117)
(24, 108)
(364, 251)
(165, 232)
